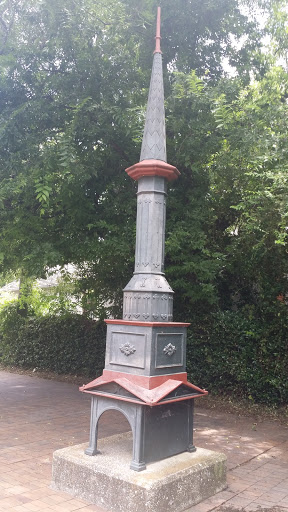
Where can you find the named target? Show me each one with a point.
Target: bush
(64, 344)
(239, 352)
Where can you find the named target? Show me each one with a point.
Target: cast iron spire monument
(145, 368)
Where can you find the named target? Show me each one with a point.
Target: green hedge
(238, 353)
(69, 344)
(233, 352)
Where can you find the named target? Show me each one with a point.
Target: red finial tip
(158, 37)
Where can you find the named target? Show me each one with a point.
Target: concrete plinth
(173, 484)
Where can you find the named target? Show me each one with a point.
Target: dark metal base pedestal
(158, 432)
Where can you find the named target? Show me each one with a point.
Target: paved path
(39, 416)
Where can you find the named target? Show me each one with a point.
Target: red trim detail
(153, 168)
(126, 399)
(147, 382)
(150, 390)
(147, 324)
(158, 37)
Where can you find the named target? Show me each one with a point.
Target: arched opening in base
(112, 422)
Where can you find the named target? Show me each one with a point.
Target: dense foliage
(74, 78)
(64, 344)
(240, 354)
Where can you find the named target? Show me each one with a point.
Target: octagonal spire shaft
(148, 296)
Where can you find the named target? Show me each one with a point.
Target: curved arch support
(135, 416)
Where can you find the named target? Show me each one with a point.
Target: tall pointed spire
(154, 138)
(145, 365)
